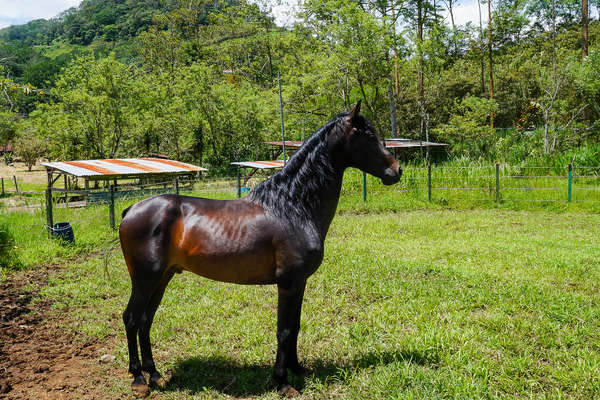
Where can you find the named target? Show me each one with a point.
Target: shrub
(8, 254)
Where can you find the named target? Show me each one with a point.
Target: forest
(197, 80)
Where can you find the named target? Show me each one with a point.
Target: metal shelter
(110, 170)
(278, 147)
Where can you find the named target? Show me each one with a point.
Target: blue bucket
(63, 231)
(244, 190)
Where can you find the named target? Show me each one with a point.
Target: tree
(8, 126)
(29, 148)
(96, 104)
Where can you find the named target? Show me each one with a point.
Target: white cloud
(14, 12)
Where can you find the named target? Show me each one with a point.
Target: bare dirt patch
(37, 175)
(39, 358)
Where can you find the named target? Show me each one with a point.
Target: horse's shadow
(231, 378)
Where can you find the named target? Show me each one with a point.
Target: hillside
(108, 20)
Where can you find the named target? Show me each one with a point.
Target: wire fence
(492, 183)
(447, 185)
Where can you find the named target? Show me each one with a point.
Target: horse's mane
(293, 192)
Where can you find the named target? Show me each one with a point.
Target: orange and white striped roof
(122, 167)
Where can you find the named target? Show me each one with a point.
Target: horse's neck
(329, 196)
(323, 192)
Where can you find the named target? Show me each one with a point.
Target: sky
(16, 12)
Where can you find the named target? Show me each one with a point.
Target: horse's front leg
(288, 325)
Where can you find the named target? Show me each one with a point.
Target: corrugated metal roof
(409, 143)
(292, 144)
(113, 168)
(260, 164)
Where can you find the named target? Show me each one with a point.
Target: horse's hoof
(288, 391)
(140, 389)
(157, 380)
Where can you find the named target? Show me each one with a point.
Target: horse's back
(225, 240)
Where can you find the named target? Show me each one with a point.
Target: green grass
(422, 304)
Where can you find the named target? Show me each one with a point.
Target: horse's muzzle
(391, 175)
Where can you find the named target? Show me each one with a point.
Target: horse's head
(363, 150)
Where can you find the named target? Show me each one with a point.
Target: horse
(274, 235)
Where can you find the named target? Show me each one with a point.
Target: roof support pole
(281, 112)
(111, 206)
(239, 183)
(66, 191)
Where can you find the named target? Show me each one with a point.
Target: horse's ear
(355, 110)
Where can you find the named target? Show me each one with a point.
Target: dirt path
(39, 357)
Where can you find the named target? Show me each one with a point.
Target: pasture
(421, 303)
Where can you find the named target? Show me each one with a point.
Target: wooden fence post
(3, 187)
(176, 185)
(16, 186)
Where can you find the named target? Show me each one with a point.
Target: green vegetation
(196, 80)
(460, 297)
(436, 304)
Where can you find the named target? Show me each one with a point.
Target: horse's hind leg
(144, 331)
(132, 318)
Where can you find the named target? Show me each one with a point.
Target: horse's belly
(233, 242)
(256, 267)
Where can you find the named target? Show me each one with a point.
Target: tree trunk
(451, 11)
(491, 62)
(420, 83)
(396, 79)
(584, 28)
(481, 48)
(546, 136)
(584, 44)
(392, 109)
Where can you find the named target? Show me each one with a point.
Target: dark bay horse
(275, 235)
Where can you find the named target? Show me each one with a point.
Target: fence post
(570, 181)
(364, 187)
(428, 181)
(3, 187)
(176, 185)
(111, 206)
(16, 186)
(497, 183)
(239, 183)
(49, 217)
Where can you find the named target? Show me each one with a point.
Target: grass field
(453, 298)
(418, 304)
